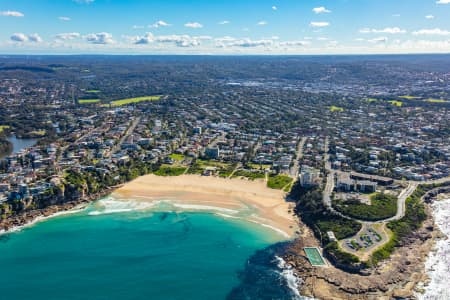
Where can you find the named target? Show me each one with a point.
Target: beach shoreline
(248, 200)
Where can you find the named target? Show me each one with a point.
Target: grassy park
(336, 109)
(88, 101)
(133, 100)
(396, 103)
(278, 182)
(382, 207)
(170, 171)
(3, 127)
(432, 100)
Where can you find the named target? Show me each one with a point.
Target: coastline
(438, 260)
(402, 276)
(28, 218)
(233, 198)
(398, 277)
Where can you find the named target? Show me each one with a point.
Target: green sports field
(314, 257)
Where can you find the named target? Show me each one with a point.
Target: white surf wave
(278, 230)
(438, 262)
(205, 207)
(292, 281)
(111, 205)
(227, 216)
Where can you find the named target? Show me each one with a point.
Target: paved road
(401, 201)
(129, 131)
(294, 171)
(329, 187)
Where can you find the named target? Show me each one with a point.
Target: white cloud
(64, 18)
(179, 40)
(230, 42)
(390, 30)
(429, 17)
(99, 38)
(68, 36)
(224, 22)
(194, 25)
(321, 10)
(35, 38)
(262, 23)
(274, 7)
(144, 40)
(19, 37)
(396, 15)
(294, 43)
(158, 24)
(435, 31)
(319, 24)
(10, 13)
(378, 40)
(443, 2)
(138, 27)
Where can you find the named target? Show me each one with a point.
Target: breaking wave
(111, 205)
(438, 263)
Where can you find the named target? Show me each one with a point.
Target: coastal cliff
(61, 198)
(394, 278)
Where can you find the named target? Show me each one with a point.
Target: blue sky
(224, 27)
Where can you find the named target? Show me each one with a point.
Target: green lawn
(170, 171)
(88, 101)
(259, 166)
(3, 127)
(372, 100)
(396, 103)
(431, 100)
(38, 132)
(278, 182)
(133, 100)
(248, 174)
(200, 165)
(382, 206)
(93, 91)
(177, 157)
(336, 109)
(410, 97)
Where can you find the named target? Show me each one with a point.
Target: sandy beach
(268, 206)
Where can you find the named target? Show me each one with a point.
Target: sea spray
(438, 263)
(287, 272)
(267, 276)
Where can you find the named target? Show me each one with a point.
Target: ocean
(127, 250)
(438, 262)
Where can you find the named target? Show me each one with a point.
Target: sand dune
(235, 194)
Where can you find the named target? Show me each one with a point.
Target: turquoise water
(133, 255)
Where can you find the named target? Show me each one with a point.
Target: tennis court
(314, 257)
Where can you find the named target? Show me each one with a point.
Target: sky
(235, 27)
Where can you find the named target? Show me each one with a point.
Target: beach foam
(111, 205)
(205, 207)
(271, 227)
(438, 262)
(292, 281)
